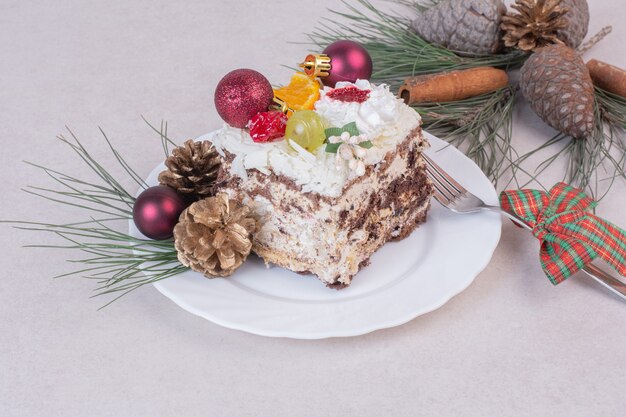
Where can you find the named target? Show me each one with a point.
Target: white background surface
(511, 344)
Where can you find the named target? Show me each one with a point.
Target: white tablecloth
(510, 345)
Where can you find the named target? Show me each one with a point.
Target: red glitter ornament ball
(241, 94)
(156, 212)
(349, 61)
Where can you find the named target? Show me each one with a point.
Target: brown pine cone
(192, 169)
(535, 24)
(463, 26)
(557, 84)
(214, 236)
(539, 23)
(577, 22)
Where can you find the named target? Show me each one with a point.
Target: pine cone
(540, 23)
(557, 84)
(192, 169)
(463, 26)
(577, 22)
(214, 236)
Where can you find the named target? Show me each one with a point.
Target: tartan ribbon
(571, 236)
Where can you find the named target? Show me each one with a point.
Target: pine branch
(480, 126)
(594, 163)
(115, 260)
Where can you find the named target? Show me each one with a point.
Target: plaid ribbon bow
(570, 235)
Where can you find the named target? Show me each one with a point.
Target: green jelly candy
(306, 128)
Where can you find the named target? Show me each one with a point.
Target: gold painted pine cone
(538, 23)
(557, 84)
(214, 235)
(192, 169)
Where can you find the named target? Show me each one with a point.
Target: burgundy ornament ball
(349, 61)
(241, 94)
(156, 212)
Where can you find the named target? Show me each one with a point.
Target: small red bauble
(349, 61)
(241, 94)
(268, 126)
(156, 212)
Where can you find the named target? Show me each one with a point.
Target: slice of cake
(327, 211)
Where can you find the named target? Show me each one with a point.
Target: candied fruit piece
(349, 94)
(268, 126)
(301, 93)
(306, 128)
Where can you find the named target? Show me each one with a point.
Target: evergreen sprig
(479, 126)
(116, 260)
(593, 163)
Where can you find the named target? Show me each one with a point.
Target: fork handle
(595, 272)
(607, 280)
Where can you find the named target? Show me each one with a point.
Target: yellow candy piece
(306, 128)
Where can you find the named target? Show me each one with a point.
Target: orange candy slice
(301, 93)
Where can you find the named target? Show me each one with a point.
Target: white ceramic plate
(405, 279)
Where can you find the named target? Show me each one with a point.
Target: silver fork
(452, 195)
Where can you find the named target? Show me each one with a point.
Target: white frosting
(376, 117)
(385, 119)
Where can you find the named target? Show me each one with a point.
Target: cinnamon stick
(453, 85)
(608, 77)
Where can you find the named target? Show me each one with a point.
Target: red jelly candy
(349, 94)
(268, 126)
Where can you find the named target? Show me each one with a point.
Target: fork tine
(442, 193)
(441, 198)
(444, 175)
(441, 185)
